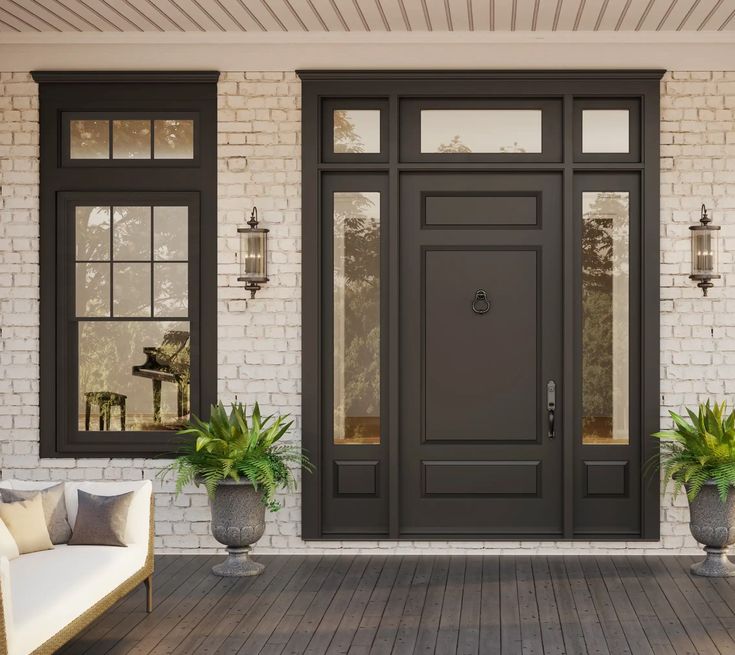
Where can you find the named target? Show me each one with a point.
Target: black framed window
(128, 259)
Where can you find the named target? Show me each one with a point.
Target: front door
(480, 353)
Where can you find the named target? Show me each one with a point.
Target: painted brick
(259, 358)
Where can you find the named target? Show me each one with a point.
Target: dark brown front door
(481, 353)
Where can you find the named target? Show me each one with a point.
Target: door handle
(551, 407)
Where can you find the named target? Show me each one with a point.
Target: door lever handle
(551, 407)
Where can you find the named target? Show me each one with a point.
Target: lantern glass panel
(253, 255)
(704, 251)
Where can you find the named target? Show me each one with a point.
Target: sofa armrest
(6, 613)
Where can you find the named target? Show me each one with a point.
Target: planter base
(238, 564)
(715, 565)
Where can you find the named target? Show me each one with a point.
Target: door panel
(476, 457)
(461, 365)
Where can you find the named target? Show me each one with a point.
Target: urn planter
(238, 521)
(712, 522)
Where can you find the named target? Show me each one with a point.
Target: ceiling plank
(35, 18)
(100, 19)
(15, 22)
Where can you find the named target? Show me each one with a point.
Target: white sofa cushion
(50, 589)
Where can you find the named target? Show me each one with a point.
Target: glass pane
(605, 313)
(121, 366)
(131, 233)
(89, 139)
(171, 289)
(92, 233)
(605, 130)
(481, 130)
(131, 139)
(131, 290)
(357, 318)
(173, 139)
(171, 233)
(357, 130)
(93, 290)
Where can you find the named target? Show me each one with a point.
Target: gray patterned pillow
(54, 509)
(101, 520)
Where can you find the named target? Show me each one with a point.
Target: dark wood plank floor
(373, 605)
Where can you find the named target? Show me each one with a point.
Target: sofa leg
(149, 594)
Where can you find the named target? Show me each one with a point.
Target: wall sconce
(253, 254)
(705, 238)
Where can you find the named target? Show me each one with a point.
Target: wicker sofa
(50, 596)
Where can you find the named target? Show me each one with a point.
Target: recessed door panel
(466, 348)
(480, 341)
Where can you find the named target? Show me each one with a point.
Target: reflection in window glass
(133, 375)
(481, 130)
(170, 289)
(93, 289)
(356, 318)
(131, 289)
(357, 130)
(605, 130)
(92, 233)
(170, 233)
(174, 139)
(89, 139)
(131, 233)
(605, 313)
(131, 139)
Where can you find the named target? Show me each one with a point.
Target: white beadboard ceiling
(287, 34)
(365, 15)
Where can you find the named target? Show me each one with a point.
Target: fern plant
(231, 447)
(700, 449)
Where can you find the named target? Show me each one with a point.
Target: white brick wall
(259, 340)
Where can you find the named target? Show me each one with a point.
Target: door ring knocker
(480, 303)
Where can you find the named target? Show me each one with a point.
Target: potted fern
(699, 455)
(242, 463)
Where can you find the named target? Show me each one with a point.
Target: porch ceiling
(365, 15)
(288, 34)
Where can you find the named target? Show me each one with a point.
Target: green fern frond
(231, 446)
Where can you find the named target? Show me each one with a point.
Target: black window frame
(64, 182)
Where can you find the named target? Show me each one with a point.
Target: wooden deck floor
(388, 604)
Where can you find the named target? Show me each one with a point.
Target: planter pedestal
(715, 565)
(238, 564)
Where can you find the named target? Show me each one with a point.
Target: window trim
(112, 94)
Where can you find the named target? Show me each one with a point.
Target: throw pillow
(101, 520)
(27, 524)
(54, 509)
(8, 547)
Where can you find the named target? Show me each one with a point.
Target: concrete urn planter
(712, 523)
(238, 521)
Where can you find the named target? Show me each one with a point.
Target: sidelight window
(605, 317)
(356, 311)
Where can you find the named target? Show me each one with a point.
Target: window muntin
(481, 131)
(605, 317)
(356, 311)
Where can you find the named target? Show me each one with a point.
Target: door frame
(390, 86)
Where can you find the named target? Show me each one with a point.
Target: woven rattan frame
(77, 625)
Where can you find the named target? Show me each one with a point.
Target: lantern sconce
(253, 254)
(705, 238)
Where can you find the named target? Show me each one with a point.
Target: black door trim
(390, 87)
